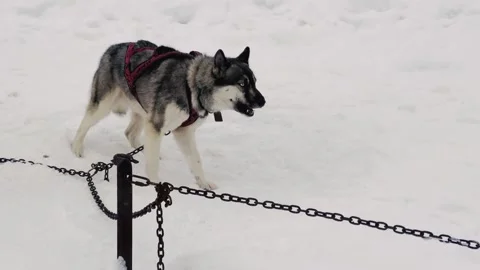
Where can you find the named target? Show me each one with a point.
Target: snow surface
(372, 110)
(121, 264)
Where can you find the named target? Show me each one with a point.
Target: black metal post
(124, 210)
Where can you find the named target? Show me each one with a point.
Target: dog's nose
(260, 100)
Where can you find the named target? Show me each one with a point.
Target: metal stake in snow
(124, 208)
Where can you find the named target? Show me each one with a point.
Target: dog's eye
(242, 83)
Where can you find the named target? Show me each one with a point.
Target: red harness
(132, 76)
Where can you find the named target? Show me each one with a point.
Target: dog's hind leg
(94, 113)
(134, 129)
(185, 139)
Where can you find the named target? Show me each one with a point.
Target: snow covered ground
(372, 110)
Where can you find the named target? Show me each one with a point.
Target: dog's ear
(243, 57)
(220, 61)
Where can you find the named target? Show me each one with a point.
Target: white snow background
(373, 109)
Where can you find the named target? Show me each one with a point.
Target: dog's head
(235, 84)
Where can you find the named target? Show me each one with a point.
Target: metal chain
(163, 191)
(295, 209)
(160, 234)
(58, 169)
(354, 220)
(101, 166)
(96, 168)
(136, 151)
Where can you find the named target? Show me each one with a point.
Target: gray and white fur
(217, 83)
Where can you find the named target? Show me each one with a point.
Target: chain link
(311, 212)
(136, 151)
(58, 169)
(163, 191)
(160, 234)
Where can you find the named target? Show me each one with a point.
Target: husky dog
(175, 93)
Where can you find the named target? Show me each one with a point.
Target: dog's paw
(206, 185)
(77, 149)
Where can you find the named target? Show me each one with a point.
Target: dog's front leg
(153, 139)
(185, 139)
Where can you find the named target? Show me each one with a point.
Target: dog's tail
(102, 87)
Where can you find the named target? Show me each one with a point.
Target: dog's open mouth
(244, 109)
